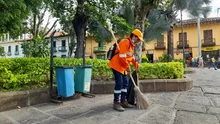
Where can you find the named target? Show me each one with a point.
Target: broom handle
(132, 80)
(137, 79)
(110, 29)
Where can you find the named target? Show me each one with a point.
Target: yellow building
(210, 40)
(97, 50)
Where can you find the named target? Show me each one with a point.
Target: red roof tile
(191, 22)
(58, 34)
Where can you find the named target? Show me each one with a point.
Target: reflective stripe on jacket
(121, 61)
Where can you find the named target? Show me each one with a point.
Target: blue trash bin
(65, 81)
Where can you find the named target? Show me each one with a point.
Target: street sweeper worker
(120, 65)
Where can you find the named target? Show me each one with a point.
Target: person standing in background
(212, 63)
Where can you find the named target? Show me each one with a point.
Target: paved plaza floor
(200, 105)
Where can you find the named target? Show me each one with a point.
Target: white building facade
(12, 47)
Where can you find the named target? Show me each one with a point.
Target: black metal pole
(84, 46)
(183, 42)
(51, 63)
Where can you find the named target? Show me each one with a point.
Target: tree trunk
(170, 42)
(79, 23)
(141, 11)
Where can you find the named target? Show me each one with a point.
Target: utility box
(65, 81)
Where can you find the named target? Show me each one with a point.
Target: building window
(63, 42)
(100, 57)
(181, 38)
(160, 39)
(3, 38)
(9, 50)
(54, 44)
(16, 48)
(208, 36)
(7, 37)
(63, 56)
(101, 44)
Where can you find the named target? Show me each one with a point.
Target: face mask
(132, 41)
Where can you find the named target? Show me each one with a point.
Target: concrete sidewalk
(201, 105)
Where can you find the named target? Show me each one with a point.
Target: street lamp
(199, 40)
(183, 42)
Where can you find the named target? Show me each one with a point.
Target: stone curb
(189, 72)
(153, 85)
(11, 100)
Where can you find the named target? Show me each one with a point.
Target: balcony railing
(16, 52)
(9, 53)
(99, 49)
(180, 44)
(160, 46)
(62, 49)
(208, 42)
(54, 49)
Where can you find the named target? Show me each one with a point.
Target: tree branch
(45, 9)
(34, 26)
(48, 22)
(40, 21)
(50, 28)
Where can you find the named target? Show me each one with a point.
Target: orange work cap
(139, 34)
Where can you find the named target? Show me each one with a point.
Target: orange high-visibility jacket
(121, 61)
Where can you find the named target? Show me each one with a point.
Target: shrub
(171, 70)
(34, 72)
(165, 58)
(145, 60)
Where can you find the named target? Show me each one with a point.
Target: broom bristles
(141, 101)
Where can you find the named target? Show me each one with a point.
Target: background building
(12, 47)
(210, 40)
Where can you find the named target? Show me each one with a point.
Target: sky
(215, 4)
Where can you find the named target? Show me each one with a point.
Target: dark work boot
(125, 104)
(117, 106)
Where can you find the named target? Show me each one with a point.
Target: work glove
(128, 70)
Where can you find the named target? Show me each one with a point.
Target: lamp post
(183, 42)
(199, 40)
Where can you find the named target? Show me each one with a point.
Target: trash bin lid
(84, 66)
(64, 67)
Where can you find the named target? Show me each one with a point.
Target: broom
(141, 101)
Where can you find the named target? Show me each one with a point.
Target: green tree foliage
(13, 13)
(85, 14)
(158, 24)
(165, 58)
(36, 47)
(141, 11)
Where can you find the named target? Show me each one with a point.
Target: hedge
(34, 72)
